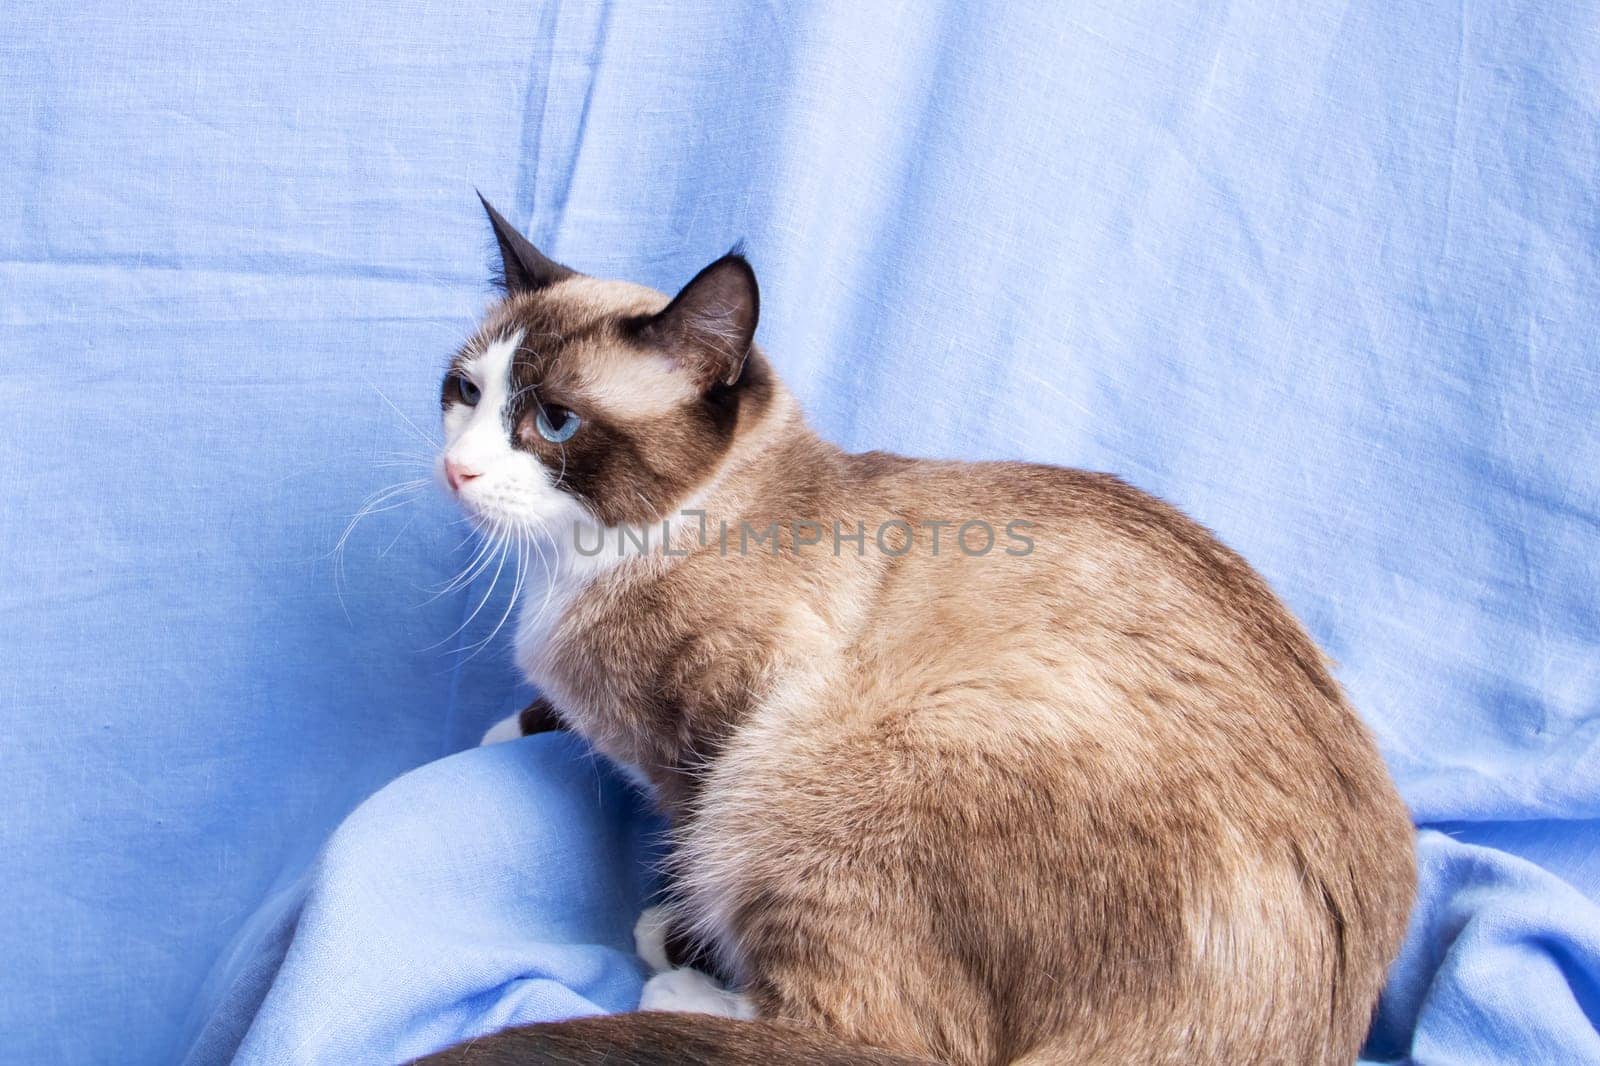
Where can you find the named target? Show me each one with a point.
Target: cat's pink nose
(457, 474)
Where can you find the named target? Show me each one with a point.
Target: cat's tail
(663, 1038)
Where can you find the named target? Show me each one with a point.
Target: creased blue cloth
(483, 890)
(1324, 274)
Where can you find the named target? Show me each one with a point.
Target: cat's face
(597, 402)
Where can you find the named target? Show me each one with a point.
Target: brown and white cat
(1087, 796)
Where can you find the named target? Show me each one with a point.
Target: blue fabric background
(1324, 274)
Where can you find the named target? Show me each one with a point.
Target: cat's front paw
(692, 992)
(507, 728)
(650, 938)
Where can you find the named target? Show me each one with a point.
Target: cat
(1088, 796)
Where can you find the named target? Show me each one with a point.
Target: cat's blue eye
(556, 424)
(470, 395)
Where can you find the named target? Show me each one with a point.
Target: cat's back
(1076, 561)
(1115, 718)
(1105, 620)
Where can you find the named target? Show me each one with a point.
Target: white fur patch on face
(467, 430)
(693, 992)
(507, 728)
(509, 489)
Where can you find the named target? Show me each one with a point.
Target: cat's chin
(544, 526)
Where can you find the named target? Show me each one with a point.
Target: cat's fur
(1099, 802)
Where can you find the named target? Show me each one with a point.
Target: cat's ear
(709, 326)
(523, 268)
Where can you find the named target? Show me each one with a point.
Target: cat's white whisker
(480, 559)
(396, 539)
(474, 571)
(511, 604)
(385, 499)
(425, 438)
(376, 498)
(377, 503)
(399, 495)
(503, 545)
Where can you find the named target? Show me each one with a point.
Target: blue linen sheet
(1324, 274)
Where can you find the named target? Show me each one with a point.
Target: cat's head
(598, 402)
